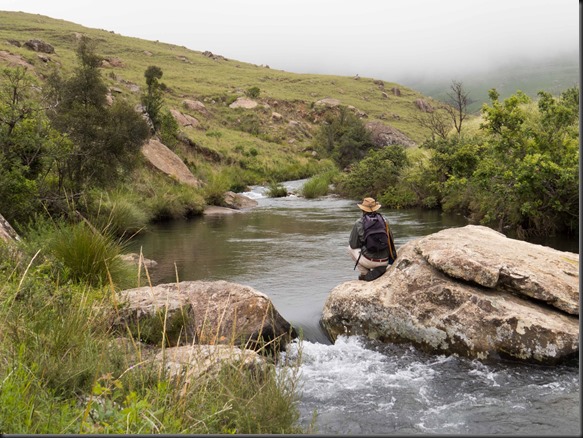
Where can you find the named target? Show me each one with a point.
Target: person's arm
(355, 240)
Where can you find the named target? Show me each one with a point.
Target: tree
(371, 176)
(105, 139)
(29, 147)
(153, 100)
(345, 138)
(438, 122)
(458, 104)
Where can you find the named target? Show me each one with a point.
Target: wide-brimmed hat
(369, 205)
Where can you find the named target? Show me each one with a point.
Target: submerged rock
(469, 291)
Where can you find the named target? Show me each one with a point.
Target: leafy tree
(529, 180)
(345, 138)
(106, 139)
(153, 99)
(29, 147)
(372, 175)
(21, 128)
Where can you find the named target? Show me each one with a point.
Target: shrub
(319, 184)
(276, 190)
(377, 171)
(253, 92)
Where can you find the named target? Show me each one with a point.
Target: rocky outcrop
(328, 102)
(202, 312)
(168, 162)
(424, 106)
(14, 60)
(469, 291)
(184, 120)
(137, 259)
(214, 57)
(195, 105)
(385, 135)
(243, 102)
(39, 46)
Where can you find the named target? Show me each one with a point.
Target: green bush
(122, 213)
(372, 176)
(253, 92)
(343, 138)
(276, 190)
(319, 185)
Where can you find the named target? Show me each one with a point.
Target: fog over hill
(423, 42)
(553, 73)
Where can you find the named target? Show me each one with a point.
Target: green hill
(213, 80)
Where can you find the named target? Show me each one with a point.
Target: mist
(385, 39)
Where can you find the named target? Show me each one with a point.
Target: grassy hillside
(216, 81)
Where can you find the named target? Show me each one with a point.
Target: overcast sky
(385, 39)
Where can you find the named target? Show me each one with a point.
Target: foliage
(106, 139)
(519, 172)
(29, 147)
(253, 92)
(63, 371)
(344, 138)
(276, 190)
(319, 185)
(152, 100)
(378, 170)
(87, 255)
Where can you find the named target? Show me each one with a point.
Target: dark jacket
(357, 240)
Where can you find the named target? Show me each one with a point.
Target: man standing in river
(371, 243)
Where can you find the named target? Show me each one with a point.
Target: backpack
(376, 238)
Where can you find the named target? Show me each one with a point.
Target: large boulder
(469, 291)
(39, 46)
(385, 135)
(161, 157)
(185, 120)
(203, 312)
(238, 201)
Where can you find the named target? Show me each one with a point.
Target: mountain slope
(207, 77)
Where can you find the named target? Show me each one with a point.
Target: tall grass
(319, 185)
(63, 368)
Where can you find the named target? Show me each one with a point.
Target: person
(371, 264)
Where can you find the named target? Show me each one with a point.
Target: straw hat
(369, 205)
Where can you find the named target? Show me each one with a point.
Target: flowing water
(294, 250)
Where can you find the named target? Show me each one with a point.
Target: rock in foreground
(469, 291)
(203, 312)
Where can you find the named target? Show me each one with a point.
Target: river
(294, 250)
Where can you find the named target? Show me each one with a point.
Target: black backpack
(376, 238)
